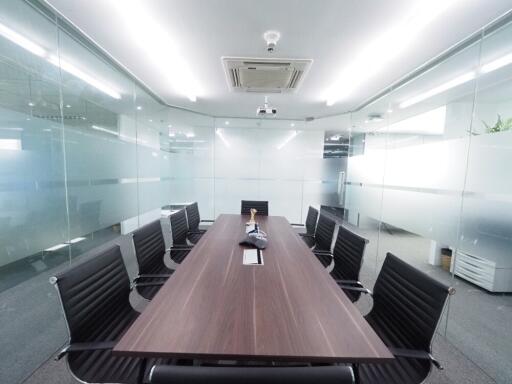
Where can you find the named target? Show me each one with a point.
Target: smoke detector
(271, 37)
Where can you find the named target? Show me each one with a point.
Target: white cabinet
(489, 274)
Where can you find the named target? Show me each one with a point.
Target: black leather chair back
(193, 217)
(149, 246)
(407, 306)
(168, 374)
(311, 219)
(95, 299)
(348, 257)
(324, 233)
(260, 206)
(179, 227)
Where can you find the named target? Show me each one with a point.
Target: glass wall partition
(280, 161)
(33, 215)
(86, 156)
(427, 179)
(483, 261)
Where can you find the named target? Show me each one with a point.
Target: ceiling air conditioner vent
(265, 75)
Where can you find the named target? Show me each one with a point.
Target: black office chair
(348, 257)
(309, 235)
(168, 374)
(150, 251)
(179, 230)
(407, 306)
(95, 299)
(260, 206)
(194, 220)
(323, 239)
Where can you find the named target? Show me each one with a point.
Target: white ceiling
(330, 32)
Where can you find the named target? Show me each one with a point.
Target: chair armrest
(199, 231)
(81, 347)
(297, 225)
(149, 284)
(322, 252)
(151, 276)
(358, 289)
(207, 221)
(179, 248)
(306, 235)
(415, 354)
(349, 282)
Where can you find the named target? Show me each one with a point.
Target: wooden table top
(289, 309)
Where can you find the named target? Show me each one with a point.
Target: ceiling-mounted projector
(266, 110)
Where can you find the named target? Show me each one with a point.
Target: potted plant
(500, 126)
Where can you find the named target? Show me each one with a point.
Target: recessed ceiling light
(169, 126)
(139, 107)
(31, 104)
(386, 47)
(155, 42)
(292, 125)
(190, 134)
(150, 120)
(390, 111)
(226, 122)
(68, 106)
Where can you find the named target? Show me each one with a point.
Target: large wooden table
(289, 309)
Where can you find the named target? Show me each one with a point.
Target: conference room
(245, 192)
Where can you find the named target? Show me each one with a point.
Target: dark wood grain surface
(289, 309)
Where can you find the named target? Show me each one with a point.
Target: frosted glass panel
(278, 161)
(484, 261)
(189, 143)
(32, 195)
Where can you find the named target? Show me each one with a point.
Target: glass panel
(482, 306)
(279, 161)
(33, 221)
(190, 145)
(100, 136)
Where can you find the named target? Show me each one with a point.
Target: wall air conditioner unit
(257, 75)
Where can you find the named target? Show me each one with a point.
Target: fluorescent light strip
(287, 140)
(22, 41)
(219, 133)
(439, 89)
(496, 64)
(98, 128)
(76, 240)
(383, 49)
(10, 144)
(56, 247)
(70, 68)
(428, 123)
(156, 45)
(34, 48)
